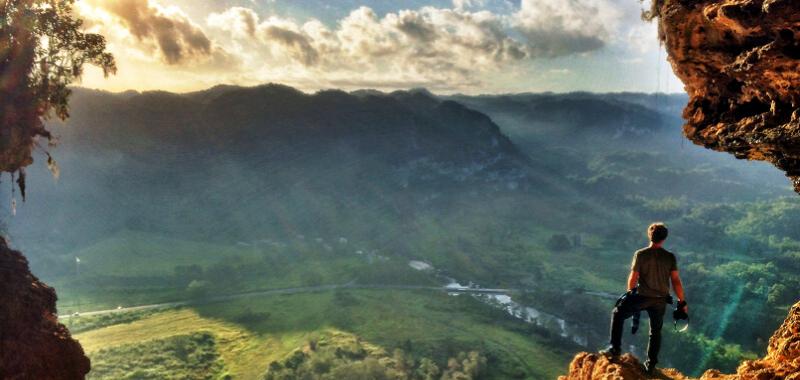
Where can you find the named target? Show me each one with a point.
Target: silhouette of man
(652, 270)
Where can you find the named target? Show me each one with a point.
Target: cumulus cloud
(458, 41)
(456, 48)
(165, 29)
(297, 44)
(237, 20)
(464, 4)
(425, 45)
(560, 27)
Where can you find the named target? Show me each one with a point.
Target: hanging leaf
(53, 167)
(13, 206)
(21, 183)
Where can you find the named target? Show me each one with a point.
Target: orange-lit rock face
(587, 366)
(740, 62)
(783, 353)
(33, 345)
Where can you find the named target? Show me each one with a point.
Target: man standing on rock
(652, 270)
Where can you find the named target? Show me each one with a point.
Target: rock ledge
(781, 362)
(33, 345)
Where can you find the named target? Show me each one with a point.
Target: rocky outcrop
(781, 362)
(740, 62)
(33, 345)
(588, 366)
(783, 354)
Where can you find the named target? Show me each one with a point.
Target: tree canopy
(42, 51)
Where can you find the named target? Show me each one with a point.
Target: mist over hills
(625, 117)
(232, 162)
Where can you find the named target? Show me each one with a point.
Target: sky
(446, 46)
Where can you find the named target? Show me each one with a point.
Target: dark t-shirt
(654, 266)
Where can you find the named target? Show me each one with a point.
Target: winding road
(298, 290)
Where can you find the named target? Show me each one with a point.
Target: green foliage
(700, 353)
(197, 289)
(559, 243)
(465, 366)
(354, 360)
(43, 52)
(780, 218)
(189, 357)
(421, 323)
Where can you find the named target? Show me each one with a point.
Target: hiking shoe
(611, 352)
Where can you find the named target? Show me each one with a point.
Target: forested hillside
(185, 197)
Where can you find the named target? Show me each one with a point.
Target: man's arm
(677, 285)
(633, 280)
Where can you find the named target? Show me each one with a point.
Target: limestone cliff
(33, 345)
(781, 362)
(740, 62)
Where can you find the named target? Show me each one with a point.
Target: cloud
(237, 19)
(297, 44)
(431, 42)
(165, 29)
(475, 44)
(465, 4)
(562, 27)
(427, 45)
(560, 71)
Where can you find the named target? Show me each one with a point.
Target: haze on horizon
(458, 46)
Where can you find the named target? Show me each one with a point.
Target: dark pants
(655, 307)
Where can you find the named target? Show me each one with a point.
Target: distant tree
(780, 295)
(403, 363)
(197, 289)
(275, 366)
(312, 278)
(223, 274)
(428, 370)
(559, 243)
(42, 51)
(408, 345)
(295, 360)
(466, 366)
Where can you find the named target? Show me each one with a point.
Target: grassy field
(190, 356)
(249, 334)
(134, 268)
(133, 253)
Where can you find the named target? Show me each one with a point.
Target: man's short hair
(657, 232)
